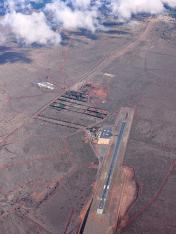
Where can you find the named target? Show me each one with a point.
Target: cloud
(73, 19)
(124, 9)
(171, 3)
(12, 5)
(31, 25)
(84, 4)
(31, 28)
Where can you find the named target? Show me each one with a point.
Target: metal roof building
(105, 136)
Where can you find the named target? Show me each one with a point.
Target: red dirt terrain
(46, 172)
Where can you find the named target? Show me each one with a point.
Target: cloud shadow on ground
(13, 57)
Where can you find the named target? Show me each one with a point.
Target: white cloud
(84, 4)
(124, 9)
(72, 19)
(12, 5)
(31, 28)
(171, 3)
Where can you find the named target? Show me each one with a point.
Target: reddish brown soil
(99, 92)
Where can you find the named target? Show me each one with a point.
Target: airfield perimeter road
(45, 175)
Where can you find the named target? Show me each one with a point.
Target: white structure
(46, 85)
